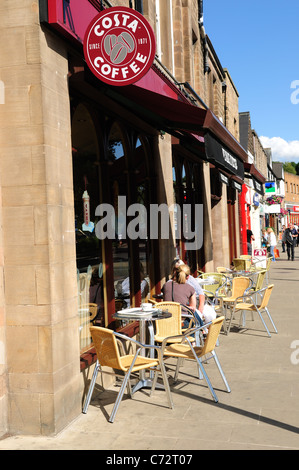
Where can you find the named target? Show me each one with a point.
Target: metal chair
(242, 264)
(258, 285)
(170, 326)
(217, 288)
(239, 285)
(185, 349)
(241, 306)
(267, 268)
(108, 355)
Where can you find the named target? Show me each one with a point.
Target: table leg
(143, 381)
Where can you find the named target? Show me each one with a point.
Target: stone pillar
(43, 357)
(220, 232)
(165, 196)
(3, 363)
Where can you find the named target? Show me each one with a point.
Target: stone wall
(291, 188)
(42, 340)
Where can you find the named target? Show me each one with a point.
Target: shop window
(88, 247)
(140, 170)
(118, 169)
(130, 251)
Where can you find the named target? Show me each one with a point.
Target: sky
(258, 42)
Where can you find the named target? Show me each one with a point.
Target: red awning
(252, 170)
(161, 101)
(175, 114)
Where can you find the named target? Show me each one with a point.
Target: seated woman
(178, 290)
(190, 279)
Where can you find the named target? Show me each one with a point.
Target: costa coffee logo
(119, 46)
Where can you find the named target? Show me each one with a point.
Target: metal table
(207, 281)
(144, 317)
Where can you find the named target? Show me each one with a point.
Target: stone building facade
(41, 385)
(291, 201)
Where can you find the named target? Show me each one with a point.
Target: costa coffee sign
(119, 46)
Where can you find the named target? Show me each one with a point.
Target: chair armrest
(134, 341)
(184, 336)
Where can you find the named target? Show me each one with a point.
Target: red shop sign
(296, 208)
(119, 46)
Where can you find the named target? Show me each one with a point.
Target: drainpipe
(203, 36)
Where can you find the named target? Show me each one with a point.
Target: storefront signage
(119, 46)
(296, 209)
(260, 257)
(270, 188)
(236, 185)
(222, 157)
(232, 161)
(224, 179)
(258, 187)
(256, 199)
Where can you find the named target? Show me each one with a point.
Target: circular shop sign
(119, 46)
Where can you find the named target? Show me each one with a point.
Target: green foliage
(290, 167)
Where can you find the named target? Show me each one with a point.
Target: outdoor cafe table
(209, 281)
(144, 317)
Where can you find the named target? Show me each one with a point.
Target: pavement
(260, 413)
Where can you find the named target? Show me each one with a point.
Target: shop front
(251, 200)
(126, 141)
(97, 163)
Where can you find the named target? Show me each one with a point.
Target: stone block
(20, 287)
(19, 226)
(14, 196)
(20, 173)
(43, 285)
(24, 413)
(14, 52)
(28, 315)
(22, 349)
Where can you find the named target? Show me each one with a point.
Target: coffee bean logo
(117, 48)
(118, 54)
(109, 43)
(126, 39)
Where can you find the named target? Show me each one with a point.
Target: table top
(245, 273)
(139, 314)
(208, 281)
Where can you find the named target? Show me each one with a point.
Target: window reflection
(88, 246)
(120, 246)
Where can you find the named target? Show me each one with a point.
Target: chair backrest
(106, 347)
(266, 296)
(221, 270)
(218, 277)
(212, 336)
(173, 325)
(260, 280)
(239, 285)
(239, 264)
(245, 257)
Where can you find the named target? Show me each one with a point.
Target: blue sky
(258, 42)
